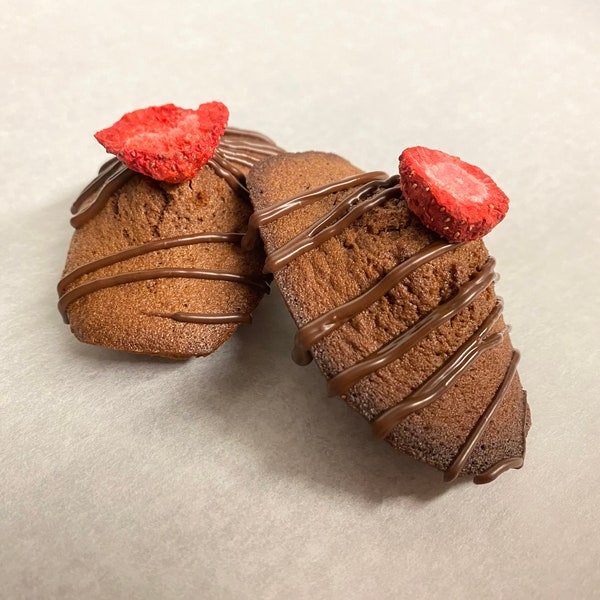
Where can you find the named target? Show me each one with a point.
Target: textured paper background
(234, 476)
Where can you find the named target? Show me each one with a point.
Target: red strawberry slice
(166, 142)
(451, 197)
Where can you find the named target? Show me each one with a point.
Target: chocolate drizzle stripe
(231, 174)
(249, 147)
(230, 166)
(247, 151)
(246, 159)
(415, 334)
(186, 317)
(152, 246)
(441, 381)
(477, 432)
(134, 276)
(255, 135)
(275, 211)
(113, 174)
(110, 167)
(88, 206)
(353, 206)
(516, 462)
(238, 144)
(308, 335)
(108, 163)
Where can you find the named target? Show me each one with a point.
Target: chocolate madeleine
(156, 268)
(405, 326)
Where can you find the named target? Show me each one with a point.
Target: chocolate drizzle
(94, 197)
(334, 222)
(515, 462)
(415, 334)
(152, 246)
(237, 147)
(473, 438)
(308, 335)
(431, 389)
(240, 147)
(161, 273)
(370, 190)
(275, 211)
(185, 317)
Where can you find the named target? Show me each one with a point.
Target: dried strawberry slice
(455, 199)
(166, 142)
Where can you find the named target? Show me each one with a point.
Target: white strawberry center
(459, 183)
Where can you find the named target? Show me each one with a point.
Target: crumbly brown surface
(123, 317)
(352, 262)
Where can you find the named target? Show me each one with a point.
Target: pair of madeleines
(387, 279)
